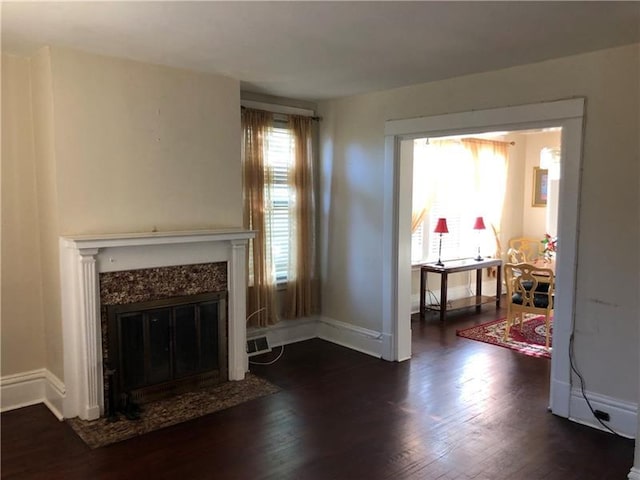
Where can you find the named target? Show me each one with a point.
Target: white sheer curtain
(459, 180)
(490, 161)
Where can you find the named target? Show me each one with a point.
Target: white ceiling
(317, 50)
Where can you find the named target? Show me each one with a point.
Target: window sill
(279, 286)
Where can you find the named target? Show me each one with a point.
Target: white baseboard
(291, 331)
(560, 397)
(30, 388)
(21, 390)
(623, 415)
(287, 331)
(356, 338)
(54, 394)
(634, 474)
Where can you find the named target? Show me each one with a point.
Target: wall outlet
(604, 416)
(257, 346)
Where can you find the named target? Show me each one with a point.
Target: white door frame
(567, 114)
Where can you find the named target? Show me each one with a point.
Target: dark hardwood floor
(459, 409)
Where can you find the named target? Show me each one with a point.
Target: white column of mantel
(237, 273)
(90, 355)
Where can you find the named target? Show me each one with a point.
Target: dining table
(542, 262)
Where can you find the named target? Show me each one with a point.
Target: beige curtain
(261, 292)
(302, 289)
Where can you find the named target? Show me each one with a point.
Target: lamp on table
(479, 225)
(441, 227)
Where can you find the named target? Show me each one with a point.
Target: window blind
(279, 160)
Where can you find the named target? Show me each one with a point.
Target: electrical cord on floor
(469, 289)
(271, 362)
(256, 312)
(584, 395)
(434, 298)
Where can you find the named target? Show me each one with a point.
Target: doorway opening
(564, 114)
(490, 189)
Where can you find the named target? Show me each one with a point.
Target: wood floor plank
(457, 410)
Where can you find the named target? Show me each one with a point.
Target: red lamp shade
(441, 226)
(479, 225)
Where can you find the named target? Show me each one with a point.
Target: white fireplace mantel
(83, 258)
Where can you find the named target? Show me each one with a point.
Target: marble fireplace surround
(83, 258)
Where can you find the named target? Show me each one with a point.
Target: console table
(454, 266)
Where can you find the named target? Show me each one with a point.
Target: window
(278, 162)
(460, 242)
(417, 244)
(279, 204)
(458, 180)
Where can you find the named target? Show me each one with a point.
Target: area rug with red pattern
(530, 341)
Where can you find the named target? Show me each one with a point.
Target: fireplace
(101, 283)
(164, 331)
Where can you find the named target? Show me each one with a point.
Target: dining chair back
(530, 248)
(530, 290)
(516, 256)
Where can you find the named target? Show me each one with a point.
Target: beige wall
(352, 143)
(22, 343)
(118, 146)
(140, 146)
(512, 214)
(47, 199)
(534, 224)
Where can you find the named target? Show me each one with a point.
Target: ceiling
(317, 50)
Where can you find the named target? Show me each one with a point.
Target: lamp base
(439, 262)
(478, 258)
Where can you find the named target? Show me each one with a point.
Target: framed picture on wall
(540, 186)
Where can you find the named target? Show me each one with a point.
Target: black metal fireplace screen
(162, 347)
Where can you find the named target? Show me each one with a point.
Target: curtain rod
(489, 139)
(459, 139)
(312, 117)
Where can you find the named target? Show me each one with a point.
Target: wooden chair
(530, 290)
(516, 256)
(530, 248)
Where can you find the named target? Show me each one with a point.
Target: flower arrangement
(550, 245)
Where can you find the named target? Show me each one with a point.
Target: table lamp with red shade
(441, 227)
(479, 225)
